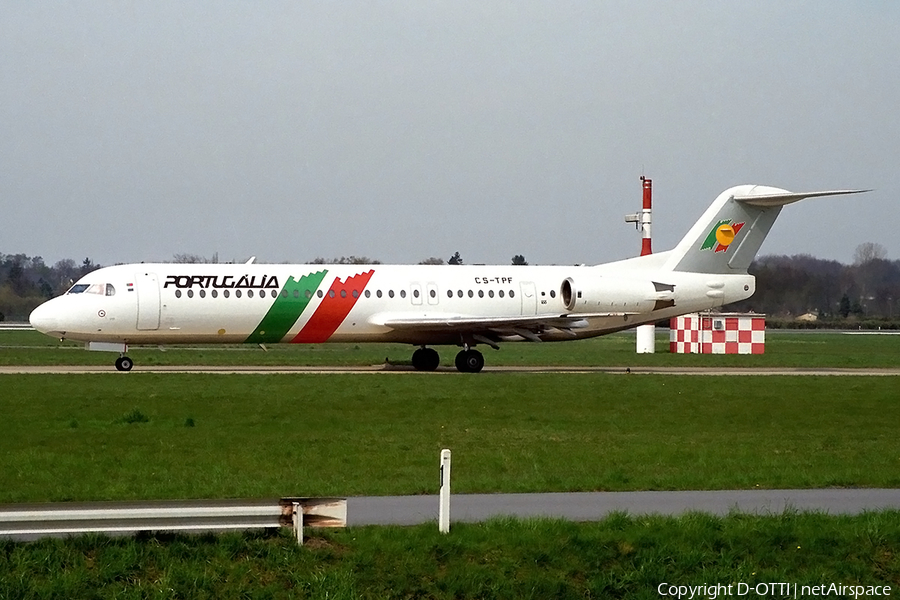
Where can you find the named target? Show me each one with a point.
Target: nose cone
(45, 320)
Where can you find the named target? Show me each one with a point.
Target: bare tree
(433, 260)
(519, 260)
(345, 260)
(188, 259)
(867, 252)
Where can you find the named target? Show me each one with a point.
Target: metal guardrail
(54, 519)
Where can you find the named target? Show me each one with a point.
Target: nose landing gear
(123, 363)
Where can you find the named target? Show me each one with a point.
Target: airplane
(115, 307)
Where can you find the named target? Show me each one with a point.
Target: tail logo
(721, 236)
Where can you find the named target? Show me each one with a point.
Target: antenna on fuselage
(250, 261)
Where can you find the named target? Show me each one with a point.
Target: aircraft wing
(526, 326)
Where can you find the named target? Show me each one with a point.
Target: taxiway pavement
(391, 369)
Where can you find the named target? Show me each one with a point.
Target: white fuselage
(418, 304)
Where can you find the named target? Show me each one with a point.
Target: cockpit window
(102, 289)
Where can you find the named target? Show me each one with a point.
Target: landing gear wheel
(426, 359)
(469, 361)
(123, 363)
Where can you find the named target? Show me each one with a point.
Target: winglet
(770, 200)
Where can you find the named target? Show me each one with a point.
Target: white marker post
(298, 522)
(444, 510)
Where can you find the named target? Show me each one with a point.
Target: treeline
(788, 287)
(866, 292)
(27, 281)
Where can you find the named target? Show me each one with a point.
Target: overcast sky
(403, 130)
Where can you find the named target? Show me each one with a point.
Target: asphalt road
(580, 506)
(593, 506)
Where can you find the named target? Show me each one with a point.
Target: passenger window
(553, 293)
(512, 294)
(249, 293)
(215, 294)
(110, 290)
(481, 293)
(356, 293)
(378, 293)
(500, 293)
(319, 293)
(403, 293)
(459, 293)
(331, 293)
(368, 294)
(343, 293)
(449, 293)
(432, 293)
(491, 293)
(416, 293)
(203, 293)
(390, 293)
(237, 293)
(225, 293)
(190, 293)
(471, 294)
(178, 293)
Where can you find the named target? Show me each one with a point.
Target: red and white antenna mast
(646, 334)
(642, 219)
(646, 213)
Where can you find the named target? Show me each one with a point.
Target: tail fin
(729, 234)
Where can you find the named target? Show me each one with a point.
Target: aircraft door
(529, 298)
(432, 293)
(415, 293)
(148, 301)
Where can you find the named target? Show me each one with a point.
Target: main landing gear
(123, 363)
(426, 359)
(468, 360)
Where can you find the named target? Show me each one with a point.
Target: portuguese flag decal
(721, 236)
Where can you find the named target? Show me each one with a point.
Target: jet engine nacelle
(613, 295)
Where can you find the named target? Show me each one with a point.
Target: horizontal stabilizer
(769, 200)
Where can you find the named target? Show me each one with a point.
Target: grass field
(620, 557)
(167, 436)
(147, 436)
(783, 349)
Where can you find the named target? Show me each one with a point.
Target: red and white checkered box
(723, 333)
